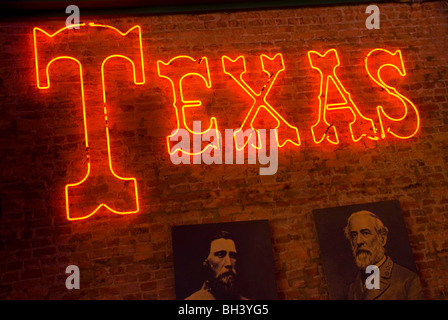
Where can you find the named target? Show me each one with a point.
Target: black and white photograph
(224, 261)
(354, 237)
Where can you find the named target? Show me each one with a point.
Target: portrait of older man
(368, 236)
(354, 237)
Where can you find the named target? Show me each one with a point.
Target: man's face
(222, 260)
(367, 245)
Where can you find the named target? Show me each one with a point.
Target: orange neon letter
(170, 71)
(272, 67)
(101, 186)
(404, 127)
(327, 64)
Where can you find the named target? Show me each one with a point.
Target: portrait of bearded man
(366, 253)
(224, 261)
(220, 271)
(368, 236)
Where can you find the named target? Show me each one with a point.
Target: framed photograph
(354, 237)
(224, 261)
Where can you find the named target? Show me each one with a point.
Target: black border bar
(56, 8)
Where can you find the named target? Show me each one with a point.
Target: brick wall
(130, 257)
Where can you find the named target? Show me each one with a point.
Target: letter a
(373, 21)
(361, 126)
(72, 281)
(373, 281)
(73, 19)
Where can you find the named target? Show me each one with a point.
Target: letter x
(272, 67)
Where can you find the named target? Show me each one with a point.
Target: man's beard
(367, 257)
(224, 287)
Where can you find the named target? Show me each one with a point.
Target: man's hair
(221, 234)
(212, 236)
(380, 228)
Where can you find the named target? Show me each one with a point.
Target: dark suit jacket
(396, 283)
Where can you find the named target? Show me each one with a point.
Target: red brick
(31, 274)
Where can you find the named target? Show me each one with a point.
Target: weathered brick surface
(130, 257)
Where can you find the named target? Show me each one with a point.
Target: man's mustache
(229, 273)
(359, 251)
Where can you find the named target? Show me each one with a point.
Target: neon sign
(332, 96)
(375, 62)
(196, 68)
(327, 64)
(275, 67)
(95, 123)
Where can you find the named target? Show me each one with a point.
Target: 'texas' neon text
(332, 96)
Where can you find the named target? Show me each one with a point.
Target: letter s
(404, 127)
